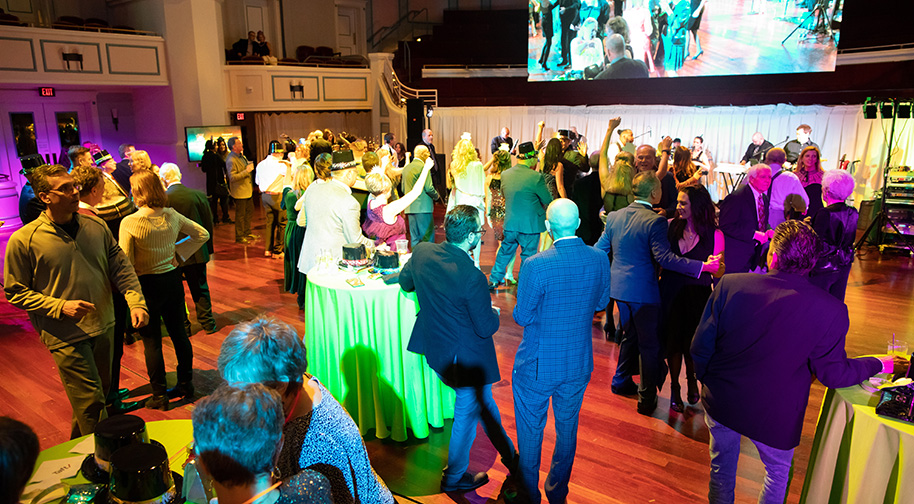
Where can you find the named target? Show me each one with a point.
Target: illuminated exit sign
(47, 91)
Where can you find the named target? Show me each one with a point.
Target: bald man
(419, 212)
(756, 151)
(559, 291)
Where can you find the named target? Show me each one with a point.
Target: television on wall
(734, 37)
(198, 135)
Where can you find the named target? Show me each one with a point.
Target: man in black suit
(743, 220)
(637, 238)
(438, 173)
(756, 151)
(620, 65)
(123, 171)
(452, 294)
(193, 204)
(504, 137)
(568, 16)
(760, 342)
(246, 47)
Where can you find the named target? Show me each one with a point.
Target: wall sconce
(114, 119)
(297, 89)
(74, 56)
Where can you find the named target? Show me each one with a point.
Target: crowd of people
(609, 40)
(627, 230)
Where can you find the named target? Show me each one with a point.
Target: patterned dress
(328, 441)
(497, 209)
(382, 232)
(306, 487)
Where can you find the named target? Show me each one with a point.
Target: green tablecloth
(858, 456)
(356, 339)
(175, 435)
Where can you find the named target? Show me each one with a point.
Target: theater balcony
(52, 56)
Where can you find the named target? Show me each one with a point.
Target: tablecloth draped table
(356, 339)
(858, 456)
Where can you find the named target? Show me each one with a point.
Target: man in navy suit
(561, 289)
(744, 221)
(760, 342)
(637, 237)
(454, 331)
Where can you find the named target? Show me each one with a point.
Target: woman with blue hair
(318, 432)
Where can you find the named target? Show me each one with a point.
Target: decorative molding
(31, 49)
(153, 48)
(364, 96)
(44, 56)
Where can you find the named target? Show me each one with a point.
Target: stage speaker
(415, 122)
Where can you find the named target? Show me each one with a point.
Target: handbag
(897, 403)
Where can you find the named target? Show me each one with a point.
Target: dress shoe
(629, 389)
(699, 53)
(494, 285)
(157, 403)
(210, 329)
(647, 405)
(118, 407)
(228, 221)
(183, 390)
(467, 482)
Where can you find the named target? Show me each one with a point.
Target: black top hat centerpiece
(140, 474)
(112, 434)
(343, 159)
(101, 157)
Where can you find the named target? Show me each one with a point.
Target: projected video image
(624, 39)
(198, 135)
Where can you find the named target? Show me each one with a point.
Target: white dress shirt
(270, 174)
(783, 186)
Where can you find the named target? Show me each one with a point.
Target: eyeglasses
(68, 189)
(481, 231)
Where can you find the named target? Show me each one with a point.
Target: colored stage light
(870, 111)
(903, 111)
(886, 109)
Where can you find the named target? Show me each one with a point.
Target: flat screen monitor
(572, 39)
(198, 135)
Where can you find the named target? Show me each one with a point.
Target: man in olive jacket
(526, 198)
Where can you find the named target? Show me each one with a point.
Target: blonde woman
(495, 202)
(140, 160)
(466, 181)
(810, 172)
(294, 280)
(149, 237)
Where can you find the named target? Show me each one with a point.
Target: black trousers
(165, 301)
(195, 276)
(121, 319)
(215, 201)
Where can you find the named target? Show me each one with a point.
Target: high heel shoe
(699, 53)
(676, 400)
(693, 395)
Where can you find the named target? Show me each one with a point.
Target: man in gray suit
(637, 237)
(419, 212)
(331, 213)
(241, 189)
(526, 198)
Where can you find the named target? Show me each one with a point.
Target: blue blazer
(637, 238)
(761, 340)
(560, 290)
(456, 320)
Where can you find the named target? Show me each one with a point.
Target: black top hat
(565, 133)
(101, 156)
(343, 159)
(140, 472)
(276, 147)
(526, 151)
(30, 162)
(112, 434)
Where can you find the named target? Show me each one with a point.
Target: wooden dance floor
(622, 457)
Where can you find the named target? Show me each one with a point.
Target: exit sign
(239, 116)
(46, 91)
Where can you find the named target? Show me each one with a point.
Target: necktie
(762, 213)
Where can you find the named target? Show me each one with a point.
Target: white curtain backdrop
(727, 131)
(299, 124)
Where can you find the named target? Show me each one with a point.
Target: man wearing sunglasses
(60, 269)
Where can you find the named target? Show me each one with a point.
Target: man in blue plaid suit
(559, 291)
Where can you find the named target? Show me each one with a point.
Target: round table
(356, 339)
(858, 456)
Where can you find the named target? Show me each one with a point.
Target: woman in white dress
(466, 181)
